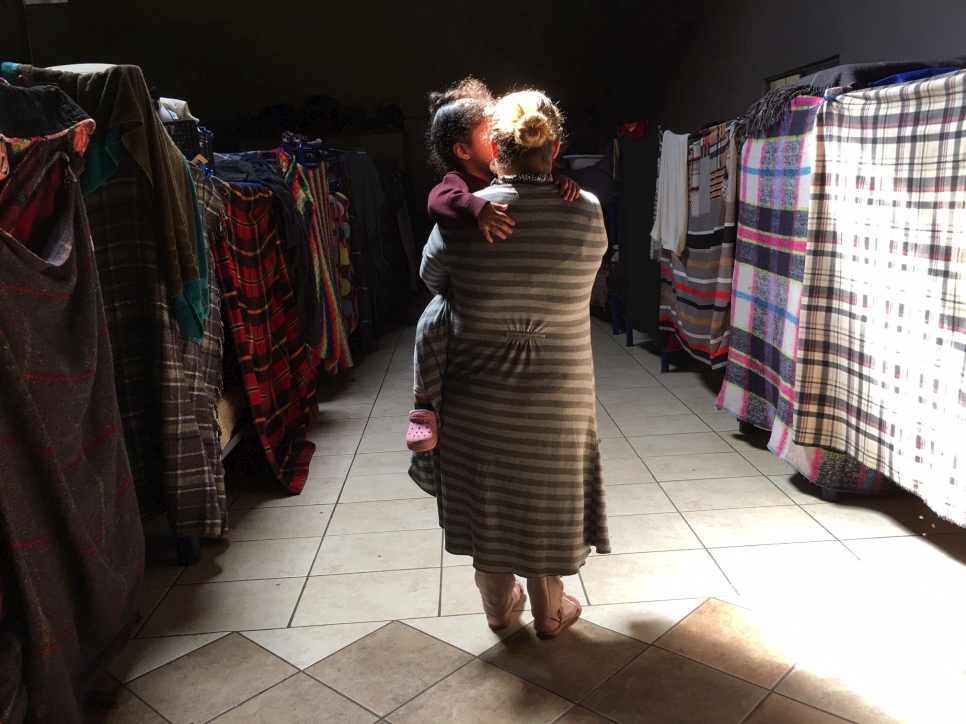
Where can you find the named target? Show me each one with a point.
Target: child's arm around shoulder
(453, 206)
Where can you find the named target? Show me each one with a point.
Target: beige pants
(546, 594)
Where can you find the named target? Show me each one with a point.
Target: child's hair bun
(532, 130)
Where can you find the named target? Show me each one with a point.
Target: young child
(459, 146)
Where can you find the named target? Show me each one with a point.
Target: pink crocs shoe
(422, 433)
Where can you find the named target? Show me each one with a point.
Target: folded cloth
(671, 212)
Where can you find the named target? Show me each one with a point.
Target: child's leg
(432, 336)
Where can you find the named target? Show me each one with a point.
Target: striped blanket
(882, 347)
(696, 286)
(759, 387)
(262, 315)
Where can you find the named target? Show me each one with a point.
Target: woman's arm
(433, 269)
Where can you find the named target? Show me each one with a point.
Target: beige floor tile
(385, 516)
(626, 471)
(874, 518)
(303, 700)
(468, 632)
(607, 428)
(755, 526)
(307, 645)
(626, 382)
(579, 715)
(616, 448)
(616, 367)
(161, 576)
(150, 598)
(330, 410)
(235, 606)
(756, 442)
(777, 709)
(720, 421)
(639, 577)
(703, 406)
(383, 442)
(679, 444)
(322, 427)
(646, 397)
(389, 667)
(481, 694)
(365, 552)
(380, 463)
(329, 466)
(940, 557)
(735, 640)
(143, 655)
(699, 467)
(696, 392)
(839, 696)
(640, 499)
(642, 426)
(128, 709)
(301, 521)
(664, 406)
(389, 486)
(642, 621)
(317, 491)
(221, 675)
(573, 665)
(392, 408)
(681, 378)
(250, 560)
(648, 533)
(723, 493)
(340, 445)
(660, 686)
(388, 425)
(799, 489)
(361, 597)
(768, 463)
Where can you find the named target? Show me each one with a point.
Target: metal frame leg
(665, 360)
(630, 335)
(615, 319)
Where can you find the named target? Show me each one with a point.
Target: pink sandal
(422, 435)
(498, 623)
(561, 622)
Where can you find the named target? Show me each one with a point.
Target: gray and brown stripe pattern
(521, 484)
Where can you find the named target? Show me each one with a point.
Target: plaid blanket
(263, 318)
(696, 286)
(881, 371)
(766, 299)
(158, 375)
(71, 544)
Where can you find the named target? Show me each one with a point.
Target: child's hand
(568, 187)
(493, 220)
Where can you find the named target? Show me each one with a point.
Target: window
(790, 76)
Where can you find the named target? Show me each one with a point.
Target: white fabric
(671, 213)
(176, 110)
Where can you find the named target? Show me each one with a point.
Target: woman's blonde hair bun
(532, 130)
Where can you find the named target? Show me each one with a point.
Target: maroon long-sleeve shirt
(452, 204)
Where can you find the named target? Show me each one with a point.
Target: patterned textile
(775, 192)
(71, 544)
(522, 488)
(264, 323)
(342, 233)
(696, 286)
(157, 394)
(881, 371)
(429, 364)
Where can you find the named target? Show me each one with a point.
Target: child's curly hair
(454, 113)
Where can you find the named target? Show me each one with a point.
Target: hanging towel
(671, 213)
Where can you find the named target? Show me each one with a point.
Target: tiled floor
(734, 593)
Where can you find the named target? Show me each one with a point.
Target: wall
(742, 42)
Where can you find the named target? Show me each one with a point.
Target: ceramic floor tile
(329, 466)
(150, 598)
(756, 442)
(703, 406)
(404, 662)
(161, 576)
(663, 687)
(380, 463)
(303, 700)
(626, 382)
(838, 696)
(318, 491)
(361, 597)
(636, 397)
(302, 521)
(755, 526)
(857, 518)
(127, 709)
(335, 410)
(578, 661)
(778, 709)
(389, 486)
(663, 406)
(221, 675)
(734, 640)
(662, 576)
(215, 607)
(365, 552)
(392, 408)
(579, 715)
(616, 448)
(640, 499)
(642, 426)
(723, 493)
(648, 533)
(143, 655)
(720, 421)
(481, 694)
(799, 489)
(468, 632)
(696, 392)
(388, 426)
(307, 645)
(699, 467)
(341, 445)
(383, 442)
(626, 471)
(768, 463)
(607, 428)
(385, 516)
(322, 427)
(679, 444)
(250, 560)
(642, 621)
